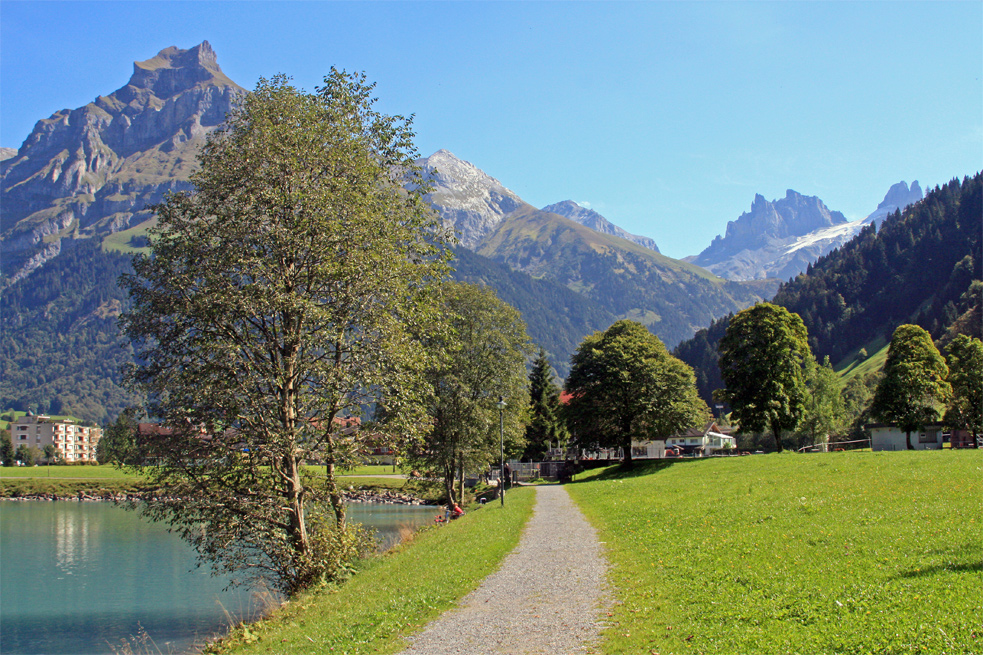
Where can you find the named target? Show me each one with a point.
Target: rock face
(593, 220)
(92, 171)
(468, 200)
(898, 197)
(781, 239)
(764, 242)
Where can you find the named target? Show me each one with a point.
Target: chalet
(890, 437)
(706, 440)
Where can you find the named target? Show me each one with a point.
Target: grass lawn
(822, 553)
(100, 472)
(395, 594)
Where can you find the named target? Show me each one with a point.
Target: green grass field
(100, 472)
(823, 553)
(395, 594)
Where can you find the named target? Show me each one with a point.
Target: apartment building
(75, 442)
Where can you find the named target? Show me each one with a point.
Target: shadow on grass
(639, 468)
(967, 567)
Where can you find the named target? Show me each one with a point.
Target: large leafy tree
(545, 424)
(964, 357)
(481, 346)
(275, 303)
(625, 386)
(914, 387)
(763, 359)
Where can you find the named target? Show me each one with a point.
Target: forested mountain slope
(916, 268)
(557, 318)
(60, 349)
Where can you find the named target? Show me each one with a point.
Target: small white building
(75, 442)
(707, 440)
(890, 437)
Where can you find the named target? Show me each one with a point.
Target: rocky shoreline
(351, 496)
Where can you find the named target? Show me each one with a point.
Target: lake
(94, 579)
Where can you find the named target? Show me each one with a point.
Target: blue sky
(666, 117)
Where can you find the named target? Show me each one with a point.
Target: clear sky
(666, 117)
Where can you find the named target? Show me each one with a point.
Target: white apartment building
(75, 442)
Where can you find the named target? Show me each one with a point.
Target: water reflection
(71, 538)
(82, 578)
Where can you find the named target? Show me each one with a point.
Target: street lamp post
(501, 426)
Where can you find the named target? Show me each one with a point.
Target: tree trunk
(334, 494)
(295, 502)
(907, 440)
(777, 431)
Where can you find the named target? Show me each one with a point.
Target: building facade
(75, 442)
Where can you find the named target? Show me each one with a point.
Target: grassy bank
(824, 553)
(396, 594)
(67, 481)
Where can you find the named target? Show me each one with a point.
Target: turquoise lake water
(89, 578)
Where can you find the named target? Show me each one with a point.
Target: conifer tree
(545, 426)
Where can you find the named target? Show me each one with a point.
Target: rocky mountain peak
(897, 197)
(769, 225)
(590, 218)
(174, 70)
(91, 171)
(468, 199)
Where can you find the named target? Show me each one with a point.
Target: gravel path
(547, 598)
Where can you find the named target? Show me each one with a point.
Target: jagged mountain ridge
(593, 220)
(626, 279)
(92, 171)
(780, 239)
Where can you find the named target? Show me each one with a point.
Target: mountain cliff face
(467, 199)
(898, 197)
(593, 220)
(92, 171)
(781, 239)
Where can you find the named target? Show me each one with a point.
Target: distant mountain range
(76, 193)
(781, 238)
(622, 273)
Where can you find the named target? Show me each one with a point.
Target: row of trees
(773, 382)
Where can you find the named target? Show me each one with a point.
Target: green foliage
(60, 351)
(763, 357)
(25, 455)
(625, 386)
(964, 357)
(281, 295)
(914, 386)
(6, 448)
(777, 554)
(480, 355)
(119, 440)
(825, 411)
(545, 425)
